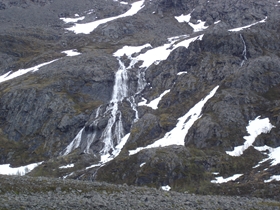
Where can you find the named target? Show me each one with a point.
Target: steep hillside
(175, 93)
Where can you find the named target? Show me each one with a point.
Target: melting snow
(196, 27)
(177, 135)
(72, 20)
(166, 188)
(255, 128)
(7, 170)
(155, 55)
(71, 53)
(86, 28)
(273, 155)
(248, 26)
(129, 50)
(11, 75)
(162, 52)
(217, 22)
(182, 72)
(142, 164)
(183, 18)
(199, 26)
(220, 179)
(107, 157)
(274, 177)
(67, 166)
(154, 103)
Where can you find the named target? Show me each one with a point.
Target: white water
(244, 53)
(114, 129)
(113, 136)
(113, 133)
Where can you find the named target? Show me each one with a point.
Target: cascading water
(114, 128)
(244, 53)
(108, 139)
(113, 133)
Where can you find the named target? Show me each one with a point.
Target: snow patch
(71, 52)
(129, 50)
(220, 179)
(248, 26)
(11, 75)
(255, 128)
(155, 55)
(273, 155)
(182, 72)
(274, 177)
(199, 26)
(142, 164)
(86, 28)
(154, 103)
(72, 20)
(183, 18)
(67, 166)
(22, 170)
(166, 188)
(177, 135)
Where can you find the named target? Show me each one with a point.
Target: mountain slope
(153, 93)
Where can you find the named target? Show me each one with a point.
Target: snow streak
(248, 26)
(220, 179)
(86, 28)
(177, 135)
(244, 53)
(7, 170)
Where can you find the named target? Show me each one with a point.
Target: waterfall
(244, 53)
(113, 133)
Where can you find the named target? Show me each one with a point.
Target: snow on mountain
(272, 153)
(22, 170)
(248, 26)
(255, 128)
(87, 28)
(199, 26)
(11, 75)
(220, 179)
(72, 20)
(154, 103)
(177, 135)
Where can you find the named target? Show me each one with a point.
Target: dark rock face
(42, 112)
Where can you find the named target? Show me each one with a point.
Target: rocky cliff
(163, 92)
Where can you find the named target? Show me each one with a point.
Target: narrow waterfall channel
(112, 135)
(244, 53)
(114, 128)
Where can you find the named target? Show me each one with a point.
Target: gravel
(49, 193)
